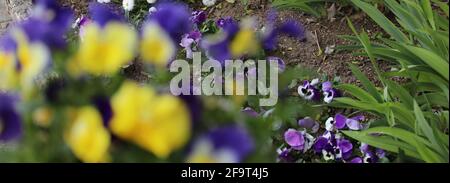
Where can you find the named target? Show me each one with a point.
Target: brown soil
(306, 53)
(294, 52)
(80, 7)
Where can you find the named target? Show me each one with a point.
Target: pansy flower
(340, 121)
(162, 30)
(284, 155)
(309, 124)
(107, 44)
(234, 41)
(189, 41)
(10, 120)
(198, 17)
(371, 154)
(48, 23)
(223, 22)
(298, 140)
(209, 2)
(250, 112)
(231, 144)
(329, 92)
(333, 147)
(271, 32)
(86, 136)
(309, 91)
(21, 61)
(159, 124)
(103, 14)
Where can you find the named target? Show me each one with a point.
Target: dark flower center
(304, 90)
(368, 159)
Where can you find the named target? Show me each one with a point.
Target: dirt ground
(321, 33)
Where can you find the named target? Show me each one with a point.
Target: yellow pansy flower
(159, 124)
(104, 50)
(156, 46)
(245, 41)
(8, 72)
(88, 139)
(19, 69)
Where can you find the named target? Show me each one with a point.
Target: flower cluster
(326, 142)
(76, 88)
(309, 90)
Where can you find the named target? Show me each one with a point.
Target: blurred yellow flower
(245, 41)
(104, 50)
(8, 73)
(42, 116)
(19, 69)
(156, 45)
(87, 137)
(159, 124)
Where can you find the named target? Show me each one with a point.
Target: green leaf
(357, 92)
(383, 142)
(370, 87)
(436, 62)
(425, 128)
(381, 20)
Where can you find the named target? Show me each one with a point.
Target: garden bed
(366, 82)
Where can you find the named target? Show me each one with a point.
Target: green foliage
(307, 6)
(415, 111)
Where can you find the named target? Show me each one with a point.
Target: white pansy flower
(151, 1)
(209, 2)
(128, 5)
(104, 1)
(152, 10)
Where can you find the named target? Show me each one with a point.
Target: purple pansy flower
(104, 13)
(48, 23)
(340, 121)
(188, 40)
(186, 43)
(219, 49)
(333, 147)
(173, 18)
(198, 17)
(284, 155)
(356, 160)
(222, 22)
(195, 35)
(232, 142)
(7, 43)
(10, 120)
(308, 90)
(298, 140)
(344, 150)
(329, 92)
(250, 112)
(295, 139)
(271, 32)
(309, 124)
(371, 154)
